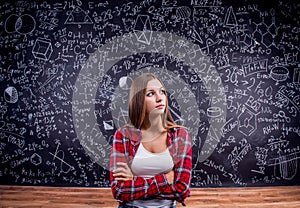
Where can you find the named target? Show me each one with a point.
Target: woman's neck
(154, 125)
(153, 132)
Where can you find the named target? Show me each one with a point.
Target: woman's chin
(156, 112)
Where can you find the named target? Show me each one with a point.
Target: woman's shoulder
(180, 137)
(179, 131)
(129, 132)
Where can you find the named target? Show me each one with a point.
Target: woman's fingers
(123, 172)
(122, 176)
(170, 176)
(119, 170)
(123, 165)
(122, 179)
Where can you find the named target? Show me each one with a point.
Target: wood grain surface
(58, 197)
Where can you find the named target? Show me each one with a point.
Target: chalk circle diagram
(11, 95)
(23, 24)
(279, 74)
(125, 82)
(83, 102)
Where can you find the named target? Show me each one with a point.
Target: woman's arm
(179, 189)
(138, 187)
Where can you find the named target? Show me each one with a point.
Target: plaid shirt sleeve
(139, 187)
(182, 156)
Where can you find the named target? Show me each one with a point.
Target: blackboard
(231, 69)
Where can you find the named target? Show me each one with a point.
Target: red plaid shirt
(125, 144)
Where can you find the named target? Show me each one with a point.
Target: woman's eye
(162, 92)
(150, 94)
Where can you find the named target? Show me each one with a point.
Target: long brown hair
(136, 103)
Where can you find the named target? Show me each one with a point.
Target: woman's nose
(158, 97)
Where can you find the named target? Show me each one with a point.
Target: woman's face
(155, 97)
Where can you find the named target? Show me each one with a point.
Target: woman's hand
(170, 176)
(123, 172)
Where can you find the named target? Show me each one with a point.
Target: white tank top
(147, 164)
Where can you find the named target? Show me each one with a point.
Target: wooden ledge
(65, 197)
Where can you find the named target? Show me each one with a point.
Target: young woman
(151, 158)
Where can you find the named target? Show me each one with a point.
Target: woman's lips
(160, 106)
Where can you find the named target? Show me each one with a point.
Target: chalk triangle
(196, 36)
(230, 19)
(108, 125)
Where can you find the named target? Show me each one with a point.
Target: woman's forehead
(154, 83)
